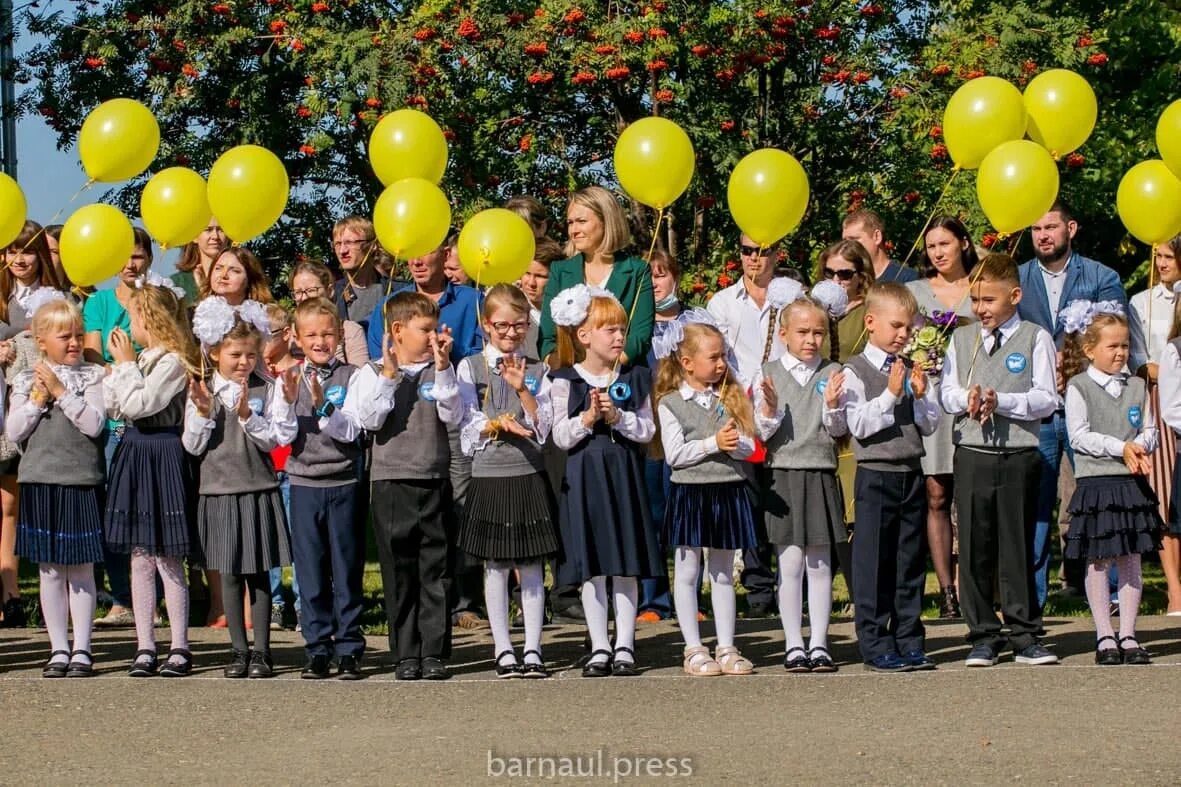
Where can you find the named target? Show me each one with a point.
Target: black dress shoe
(800, 663)
(349, 668)
(434, 669)
(261, 665)
(598, 669)
(316, 668)
(507, 669)
(1134, 655)
(81, 668)
(56, 669)
(625, 668)
(239, 664)
(408, 669)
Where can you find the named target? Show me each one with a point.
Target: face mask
(666, 303)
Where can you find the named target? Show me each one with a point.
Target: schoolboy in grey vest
(889, 488)
(998, 383)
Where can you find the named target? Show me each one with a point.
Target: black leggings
(259, 587)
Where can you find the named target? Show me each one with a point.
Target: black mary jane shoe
(597, 669)
(239, 665)
(626, 668)
(534, 669)
(144, 665)
(799, 663)
(1108, 657)
(408, 669)
(56, 669)
(178, 664)
(506, 671)
(821, 661)
(1134, 655)
(79, 668)
(261, 665)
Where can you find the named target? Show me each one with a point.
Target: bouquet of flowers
(928, 343)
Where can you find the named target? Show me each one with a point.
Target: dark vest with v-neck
(412, 443)
(896, 448)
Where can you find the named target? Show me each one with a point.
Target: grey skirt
(244, 533)
(805, 508)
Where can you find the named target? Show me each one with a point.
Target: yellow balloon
(1149, 202)
(174, 206)
(118, 141)
(411, 218)
(1168, 136)
(496, 246)
(654, 161)
(13, 210)
(247, 191)
(768, 194)
(1017, 183)
(407, 144)
(95, 244)
(1061, 110)
(982, 114)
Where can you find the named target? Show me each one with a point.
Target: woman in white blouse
(1154, 322)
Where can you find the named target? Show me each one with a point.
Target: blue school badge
(821, 385)
(620, 392)
(1135, 416)
(335, 394)
(1016, 363)
(533, 384)
(255, 405)
(426, 392)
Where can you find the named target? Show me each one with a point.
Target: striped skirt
(244, 533)
(1160, 477)
(509, 518)
(147, 497)
(59, 524)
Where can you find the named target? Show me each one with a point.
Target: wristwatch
(326, 409)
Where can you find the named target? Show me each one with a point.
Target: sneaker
(888, 662)
(982, 655)
(648, 616)
(468, 620)
(1034, 654)
(116, 617)
(917, 660)
(276, 617)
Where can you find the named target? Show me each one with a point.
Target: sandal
(534, 669)
(80, 669)
(699, 663)
(507, 670)
(597, 669)
(626, 668)
(56, 669)
(821, 661)
(1136, 655)
(733, 662)
(179, 664)
(800, 663)
(144, 665)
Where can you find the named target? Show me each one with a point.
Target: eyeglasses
(310, 292)
(505, 327)
(844, 274)
(752, 251)
(340, 244)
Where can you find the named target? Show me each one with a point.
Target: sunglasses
(844, 274)
(753, 251)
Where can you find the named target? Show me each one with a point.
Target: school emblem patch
(820, 386)
(335, 394)
(255, 405)
(426, 391)
(1135, 416)
(533, 384)
(1016, 363)
(620, 392)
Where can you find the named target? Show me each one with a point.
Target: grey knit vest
(1009, 370)
(801, 442)
(232, 464)
(58, 453)
(699, 424)
(1120, 418)
(508, 455)
(897, 448)
(317, 459)
(412, 444)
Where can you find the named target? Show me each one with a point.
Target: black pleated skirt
(709, 515)
(244, 533)
(147, 500)
(805, 508)
(510, 518)
(1112, 516)
(59, 524)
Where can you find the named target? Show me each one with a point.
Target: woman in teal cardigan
(597, 227)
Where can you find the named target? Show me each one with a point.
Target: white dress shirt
(276, 425)
(82, 402)
(474, 418)
(1149, 340)
(802, 372)
(1039, 401)
(371, 394)
(637, 426)
(1170, 388)
(867, 417)
(1055, 284)
(1078, 426)
(130, 394)
(744, 324)
(679, 452)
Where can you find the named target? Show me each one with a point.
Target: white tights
(793, 561)
(686, 570)
(68, 592)
(496, 598)
(625, 594)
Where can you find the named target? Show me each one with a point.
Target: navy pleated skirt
(148, 504)
(1112, 516)
(510, 518)
(710, 515)
(59, 524)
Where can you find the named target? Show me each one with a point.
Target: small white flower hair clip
(255, 313)
(833, 297)
(212, 320)
(570, 306)
(1077, 316)
(782, 291)
(40, 297)
(156, 280)
(1109, 307)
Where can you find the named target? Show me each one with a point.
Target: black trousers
(758, 577)
(996, 495)
(889, 566)
(414, 527)
(466, 593)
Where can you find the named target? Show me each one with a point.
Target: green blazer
(630, 282)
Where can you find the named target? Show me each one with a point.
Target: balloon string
(389, 283)
(1151, 282)
(636, 300)
(352, 283)
(53, 219)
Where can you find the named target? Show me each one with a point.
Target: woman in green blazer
(598, 233)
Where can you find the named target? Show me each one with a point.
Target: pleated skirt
(710, 515)
(513, 518)
(148, 505)
(244, 533)
(805, 508)
(59, 524)
(1112, 516)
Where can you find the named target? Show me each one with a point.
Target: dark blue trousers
(889, 565)
(328, 546)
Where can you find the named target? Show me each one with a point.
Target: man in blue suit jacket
(1049, 283)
